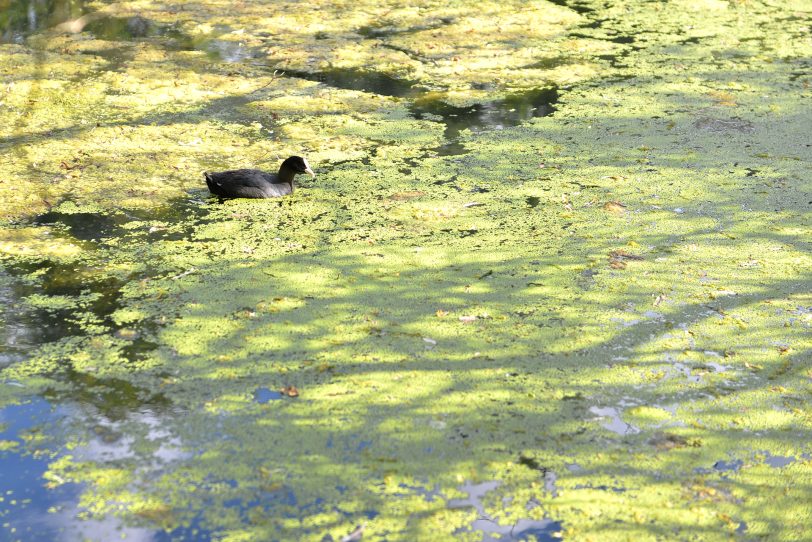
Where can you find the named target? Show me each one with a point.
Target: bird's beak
(310, 172)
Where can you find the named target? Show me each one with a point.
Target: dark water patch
(138, 349)
(122, 28)
(20, 18)
(625, 40)
(113, 398)
(452, 148)
(511, 111)
(85, 226)
(593, 24)
(532, 201)
(690, 41)
(615, 60)
(577, 7)
(366, 81)
(23, 329)
(28, 326)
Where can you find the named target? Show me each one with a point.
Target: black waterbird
(255, 183)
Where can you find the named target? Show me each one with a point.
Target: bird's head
(299, 165)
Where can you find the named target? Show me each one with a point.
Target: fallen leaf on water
(441, 313)
(614, 207)
(290, 391)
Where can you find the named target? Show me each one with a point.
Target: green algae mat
(553, 280)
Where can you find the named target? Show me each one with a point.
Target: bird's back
(246, 183)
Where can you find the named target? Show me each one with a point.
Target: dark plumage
(254, 183)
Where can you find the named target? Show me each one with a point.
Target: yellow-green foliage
(592, 308)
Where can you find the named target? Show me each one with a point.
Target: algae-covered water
(553, 280)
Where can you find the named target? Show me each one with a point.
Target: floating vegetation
(552, 280)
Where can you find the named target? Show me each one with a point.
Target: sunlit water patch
(492, 530)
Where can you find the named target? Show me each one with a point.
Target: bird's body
(254, 183)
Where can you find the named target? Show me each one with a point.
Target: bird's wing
(241, 178)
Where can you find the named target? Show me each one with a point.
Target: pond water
(22, 17)
(415, 344)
